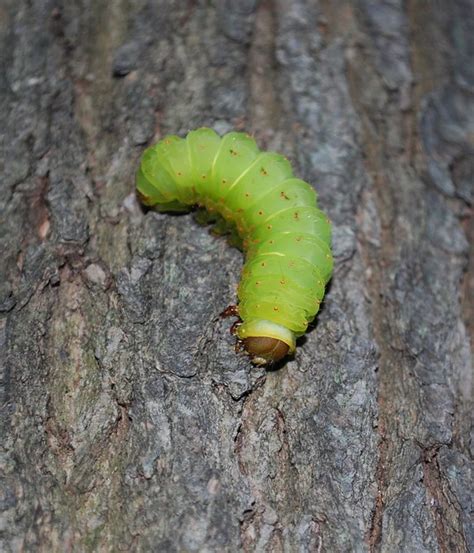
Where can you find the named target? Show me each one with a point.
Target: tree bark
(129, 423)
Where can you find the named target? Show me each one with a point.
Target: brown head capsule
(264, 350)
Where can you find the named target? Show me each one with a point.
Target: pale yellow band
(261, 327)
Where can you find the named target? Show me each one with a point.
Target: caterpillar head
(264, 350)
(266, 342)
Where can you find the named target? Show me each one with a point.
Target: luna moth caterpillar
(270, 214)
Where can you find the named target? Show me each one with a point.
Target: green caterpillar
(273, 216)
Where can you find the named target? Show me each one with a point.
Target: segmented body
(272, 215)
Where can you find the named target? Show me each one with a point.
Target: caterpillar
(271, 215)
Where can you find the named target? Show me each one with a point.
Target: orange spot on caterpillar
(269, 227)
(282, 281)
(299, 238)
(296, 215)
(247, 194)
(223, 181)
(283, 196)
(275, 308)
(263, 263)
(260, 212)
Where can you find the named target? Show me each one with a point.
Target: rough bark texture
(128, 421)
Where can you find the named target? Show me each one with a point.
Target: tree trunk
(129, 423)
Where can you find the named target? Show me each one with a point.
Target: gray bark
(128, 421)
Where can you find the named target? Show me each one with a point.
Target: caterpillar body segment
(268, 212)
